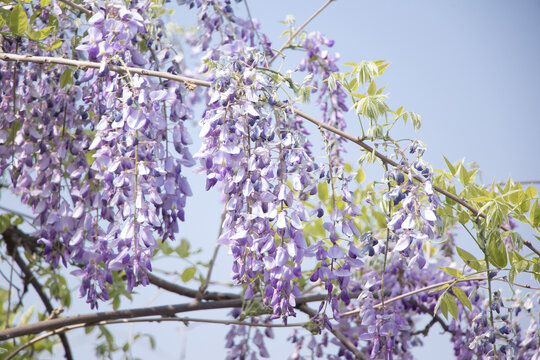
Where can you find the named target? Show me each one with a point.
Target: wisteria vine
(101, 158)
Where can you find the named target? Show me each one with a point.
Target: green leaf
(353, 85)
(531, 192)
(55, 45)
(53, 21)
(444, 306)
(415, 119)
(5, 221)
(166, 248)
(18, 20)
(442, 287)
(382, 66)
(66, 78)
(497, 253)
(372, 89)
(534, 214)
(44, 3)
(451, 305)
(511, 275)
(183, 249)
(360, 176)
(188, 274)
(40, 34)
(463, 217)
(463, 175)
(332, 83)
(465, 255)
(450, 167)
(380, 218)
(116, 303)
(451, 271)
(460, 294)
(322, 190)
(399, 111)
(470, 260)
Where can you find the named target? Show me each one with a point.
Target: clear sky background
(470, 68)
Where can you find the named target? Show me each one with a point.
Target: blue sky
(470, 68)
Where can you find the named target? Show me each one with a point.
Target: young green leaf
(452, 272)
(451, 305)
(188, 274)
(18, 20)
(322, 190)
(66, 78)
(460, 294)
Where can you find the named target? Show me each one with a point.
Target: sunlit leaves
(460, 294)
(371, 105)
(451, 271)
(188, 273)
(534, 214)
(66, 78)
(18, 20)
(40, 34)
(365, 71)
(470, 260)
(416, 120)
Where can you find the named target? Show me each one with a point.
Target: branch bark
(436, 318)
(165, 310)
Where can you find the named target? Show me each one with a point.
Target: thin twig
(16, 212)
(436, 319)
(255, 30)
(288, 42)
(185, 320)
(78, 7)
(417, 291)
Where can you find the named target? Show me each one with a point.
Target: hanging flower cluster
(256, 153)
(107, 136)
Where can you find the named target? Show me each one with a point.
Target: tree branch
(78, 7)
(436, 318)
(12, 236)
(94, 65)
(165, 310)
(417, 291)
